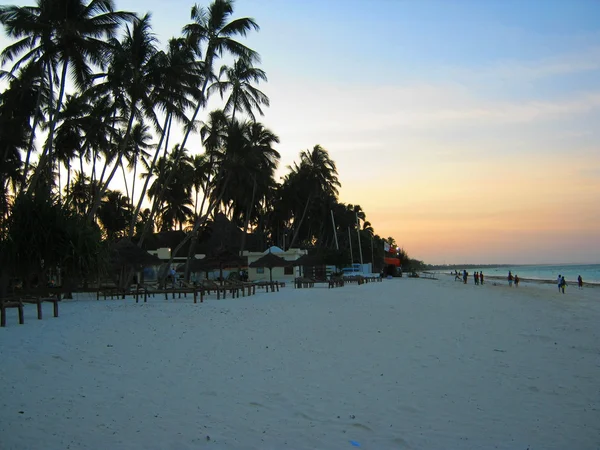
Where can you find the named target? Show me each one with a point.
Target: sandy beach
(403, 364)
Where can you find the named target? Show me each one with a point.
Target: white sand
(403, 364)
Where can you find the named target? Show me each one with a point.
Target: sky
(468, 130)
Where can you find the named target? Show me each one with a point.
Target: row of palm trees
(92, 101)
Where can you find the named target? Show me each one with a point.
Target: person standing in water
(476, 277)
(580, 282)
(510, 278)
(563, 283)
(481, 277)
(516, 280)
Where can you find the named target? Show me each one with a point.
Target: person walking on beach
(563, 283)
(559, 281)
(173, 277)
(580, 282)
(465, 275)
(476, 278)
(481, 277)
(510, 278)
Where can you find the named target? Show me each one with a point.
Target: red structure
(391, 261)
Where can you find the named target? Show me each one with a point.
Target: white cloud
(301, 109)
(584, 60)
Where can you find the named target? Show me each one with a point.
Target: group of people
(561, 283)
(477, 276)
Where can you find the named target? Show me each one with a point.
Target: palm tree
(174, 207)
(210, 29)
(18, 103)
(69, 134)
(214, 133)
(243, 95)
(63, 36)
(21, 102)
(129, 79)
(201, 176)
(318, 175)
(80, 193)
(261, 161)
(176, 74)
(212, 35)
(113, 214)
(137, 146)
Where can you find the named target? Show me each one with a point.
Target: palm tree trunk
(59, 184)
(134, 179)
(68, 179)
(234, 108)
(47, 152)
(197, 226)
(93, 174)
(136, 213)
(104, 186)
(297, 230)
(38, 102)
(205, 189)
(124, 179)
(248, 213)
(202, 101)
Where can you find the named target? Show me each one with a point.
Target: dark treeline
(91, 104)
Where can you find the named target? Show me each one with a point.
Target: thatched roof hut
(269, 261)
(219, 259)
(308, 260)
(125, 253)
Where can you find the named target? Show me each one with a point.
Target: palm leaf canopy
(217, 260)
(269, 261)
(312, 260)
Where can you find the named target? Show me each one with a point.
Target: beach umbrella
(269, 261)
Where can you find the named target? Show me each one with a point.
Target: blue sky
(468, 130)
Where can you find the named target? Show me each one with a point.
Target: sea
(589, 272)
